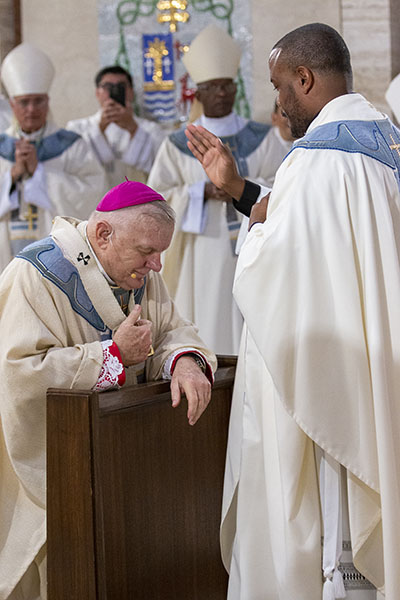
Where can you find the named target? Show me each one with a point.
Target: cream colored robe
(46, 344)
(199, 267)
(120, 155)
(319, 287)
(71, 184)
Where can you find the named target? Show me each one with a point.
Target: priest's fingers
(201, 137)
(200, 140)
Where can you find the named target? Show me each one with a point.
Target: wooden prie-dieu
(134, 493)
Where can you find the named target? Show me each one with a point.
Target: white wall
(67, 31)
(272, 19)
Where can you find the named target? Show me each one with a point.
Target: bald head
(318, 47)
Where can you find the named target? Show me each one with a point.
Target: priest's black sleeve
(248, 198)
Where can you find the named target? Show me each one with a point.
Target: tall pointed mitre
(27, 70)
(213, 54)
(393, 97)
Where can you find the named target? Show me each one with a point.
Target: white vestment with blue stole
(67, 181)
(319, 287)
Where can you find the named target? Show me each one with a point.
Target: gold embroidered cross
(394, 146)
(156, 50)
(31, 216)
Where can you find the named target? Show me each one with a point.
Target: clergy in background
(200, 264)
(44, 170)
(124, 144)
(84, 308)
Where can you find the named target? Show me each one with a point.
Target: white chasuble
(48, 343)
(319, 287)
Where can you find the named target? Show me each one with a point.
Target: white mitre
(393, 96)
(26, 70)
(213, 54)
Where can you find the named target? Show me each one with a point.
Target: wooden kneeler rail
(134, 494)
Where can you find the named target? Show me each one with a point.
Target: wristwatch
(198, 360)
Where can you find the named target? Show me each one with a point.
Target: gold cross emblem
(31, 216)
(394, 145)
(156, 50)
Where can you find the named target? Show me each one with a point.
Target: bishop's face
(31, 111)
(217, 97)
(290, 100)
(125, 253)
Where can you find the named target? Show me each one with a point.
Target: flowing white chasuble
(45, 343)
(319, 287)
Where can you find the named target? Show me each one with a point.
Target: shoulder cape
(377, 139)
(46, 256)
(48, 147)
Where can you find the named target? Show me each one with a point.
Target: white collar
(228, 125)
(34, 136)
(349, 107)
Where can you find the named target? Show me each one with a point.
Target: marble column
(395, 36)
(69, 35)
(9, 26)
(270, 21)
(372, 38)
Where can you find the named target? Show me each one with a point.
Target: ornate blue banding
(49, 147)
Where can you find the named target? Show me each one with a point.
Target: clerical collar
(98, 263)
(34, 136)
(221, 126)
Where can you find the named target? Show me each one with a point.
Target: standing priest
(313, 465)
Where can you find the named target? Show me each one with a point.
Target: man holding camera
(125, 144)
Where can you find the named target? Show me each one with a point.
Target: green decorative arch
(128, 11)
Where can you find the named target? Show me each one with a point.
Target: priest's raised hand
(216, 160)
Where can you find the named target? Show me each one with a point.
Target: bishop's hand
(133, 338)
(216, 159)
(189, 379)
